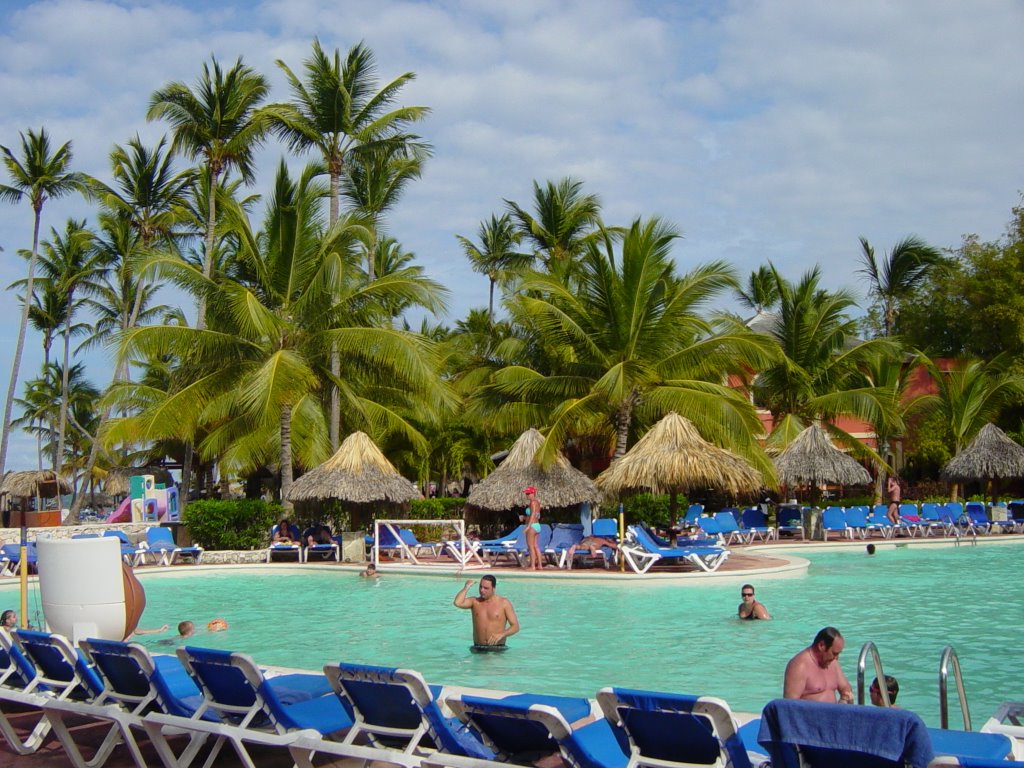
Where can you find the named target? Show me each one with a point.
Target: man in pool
(750, 608)
(814, 674)
(494, 618)
(892, 687)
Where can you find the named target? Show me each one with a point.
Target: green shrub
(231, 524)
(441, 508)
(650, 509)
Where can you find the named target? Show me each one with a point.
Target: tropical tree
(625, 341)
(38, 175)
(496, 254)
(761, 291)
(563, 222)
(898, 275)
(818, 376)
(339, 112)
(220, 123)
(293, 291)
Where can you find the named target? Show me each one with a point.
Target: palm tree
(495, 256)
(339, 112)
(624, 341)
(902, 270)
(564, 221)
(40, 174)
(818, 376)
(761, 292)
(254, 373)
(220, 123)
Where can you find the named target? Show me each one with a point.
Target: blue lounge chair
(930, 519)
(285, 551)
(134, 685)
(642, 552)
(249, 707)
(12, 554)
(564, 536)
(417, 546)
(521, 551)
(17, 686)
(975, 520)
(833, 520)
(756, 524)
(667, 729)
(493, 549)
(131, 553)
(711, 528)
(859, 524)
(522, 728)
(880, 520)
(789, 520)
(730, 529)
(164, 551)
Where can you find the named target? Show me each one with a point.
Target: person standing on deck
(532, 520)
(892, 487)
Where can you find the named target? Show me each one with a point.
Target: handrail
(862, 660)
(949, 655)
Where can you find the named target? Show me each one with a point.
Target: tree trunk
(186, 478)
(490, 302)
(335, 428)
(286, 455)
(16, 364)
(63, 426)
(211, 223)
(623, 419)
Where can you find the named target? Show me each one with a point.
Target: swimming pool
(580, 636)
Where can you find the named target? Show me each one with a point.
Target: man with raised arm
(494, 618)
(814, 674)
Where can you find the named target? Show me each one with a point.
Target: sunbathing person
(494, 618)
(283, 532)
(591, 543)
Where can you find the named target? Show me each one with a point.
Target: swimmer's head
(186, 628)
(871, 549)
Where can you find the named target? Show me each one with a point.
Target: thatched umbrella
(560, 485)
(36, 483)
(990, 456)
(812, 458)
(358, 473)
(673, 458)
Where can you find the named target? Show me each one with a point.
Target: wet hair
(185, 628)
(828, 636)
(871, 549)
(892, 685)
(748, 586)
(488, 577)
(6, 615)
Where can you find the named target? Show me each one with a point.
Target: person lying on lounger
(591, 543)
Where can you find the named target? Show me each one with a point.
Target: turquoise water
(577, 637)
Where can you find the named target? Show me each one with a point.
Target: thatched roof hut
(991, 455)
(673, 458)
(812, 459)
(560, 485)
(358, 473)
(116, 482)
(41, 483)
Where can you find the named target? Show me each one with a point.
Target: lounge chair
(833, 520)
(974, 520)
(563, 537)
(292, 549)
(789, 520)
(132, 554)
(730, 529)
(40, 667)
(858, 523)
(417, 546)
(134, 685)
(756, 524)
(521, 551)
(250, 708)
(668, 729)
(164, 551)
(396, 711)
(880, 520)
(930, 519)
(522, 728)
(493, 549)
(711, 528)
(642, 552)
(12, 554)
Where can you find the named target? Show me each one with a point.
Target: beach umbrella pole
(24, 577)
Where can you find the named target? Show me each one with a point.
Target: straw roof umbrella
(812, 458)
(117, 480)
(358, 473)
(990, 456)
(672, 457)
(560, 485)
(40, 483)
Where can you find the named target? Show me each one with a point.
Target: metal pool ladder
(949, 661)
(862, 661)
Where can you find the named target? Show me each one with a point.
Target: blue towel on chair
(895, 735)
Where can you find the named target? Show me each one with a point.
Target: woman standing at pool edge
(532, 520)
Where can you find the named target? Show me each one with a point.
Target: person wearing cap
(532, 520)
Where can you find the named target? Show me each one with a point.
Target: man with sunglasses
(750, 608)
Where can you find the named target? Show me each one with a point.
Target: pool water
(577, 637)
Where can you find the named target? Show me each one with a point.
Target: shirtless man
(494, 618)
(814, 674)
(750, 608)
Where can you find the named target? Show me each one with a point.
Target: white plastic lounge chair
(164, 551)
(132, 554)
(250, 708)
(16, 675)
(642, 552)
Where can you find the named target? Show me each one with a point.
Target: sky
(774, 131)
